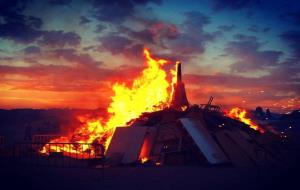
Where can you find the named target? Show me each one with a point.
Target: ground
(162, 177)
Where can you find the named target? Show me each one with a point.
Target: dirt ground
(162, 177)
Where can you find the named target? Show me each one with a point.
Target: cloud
(84, 20)
(192, 39)
(100, 28)
(255, 28)
(12, 7)
(183, 41)
(114, 43)
(116, 11)
(19, 32)
(226, 28)
(60, 85)
(9, 59)
(59, 2)
(292, 38)
(32, 50)
(63, 78)
(266, 29)
(233, 4)
(27, 29)
(59, 58)
(272, 81)
(249, 57)
(51, 78)
(59, 39)
(155, 32)
(16, 26)
(72, 56)
(134, 50)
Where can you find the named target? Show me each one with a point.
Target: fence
(81, 155)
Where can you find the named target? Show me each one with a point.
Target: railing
(210, 107)
(55, 154)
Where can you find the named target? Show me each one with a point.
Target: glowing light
(183, 108)
(144, 160)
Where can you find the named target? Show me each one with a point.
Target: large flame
(241, 115)
(149, 92)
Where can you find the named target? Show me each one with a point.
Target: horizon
(273, 110)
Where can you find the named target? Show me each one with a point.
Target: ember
(149, 92)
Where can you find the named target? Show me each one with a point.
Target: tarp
(204, 141)
(127, 141)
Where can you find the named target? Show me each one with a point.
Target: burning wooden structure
(193, 135)
(152, 120)
(179, 99)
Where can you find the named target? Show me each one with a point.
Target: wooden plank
(233, 151)
(127, 141)
(204, 141)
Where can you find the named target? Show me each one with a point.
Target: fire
(240, 114)
(149, 92)
(144, 160)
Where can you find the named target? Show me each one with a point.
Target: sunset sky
(68, 53)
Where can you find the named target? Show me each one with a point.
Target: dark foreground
(162, 177)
